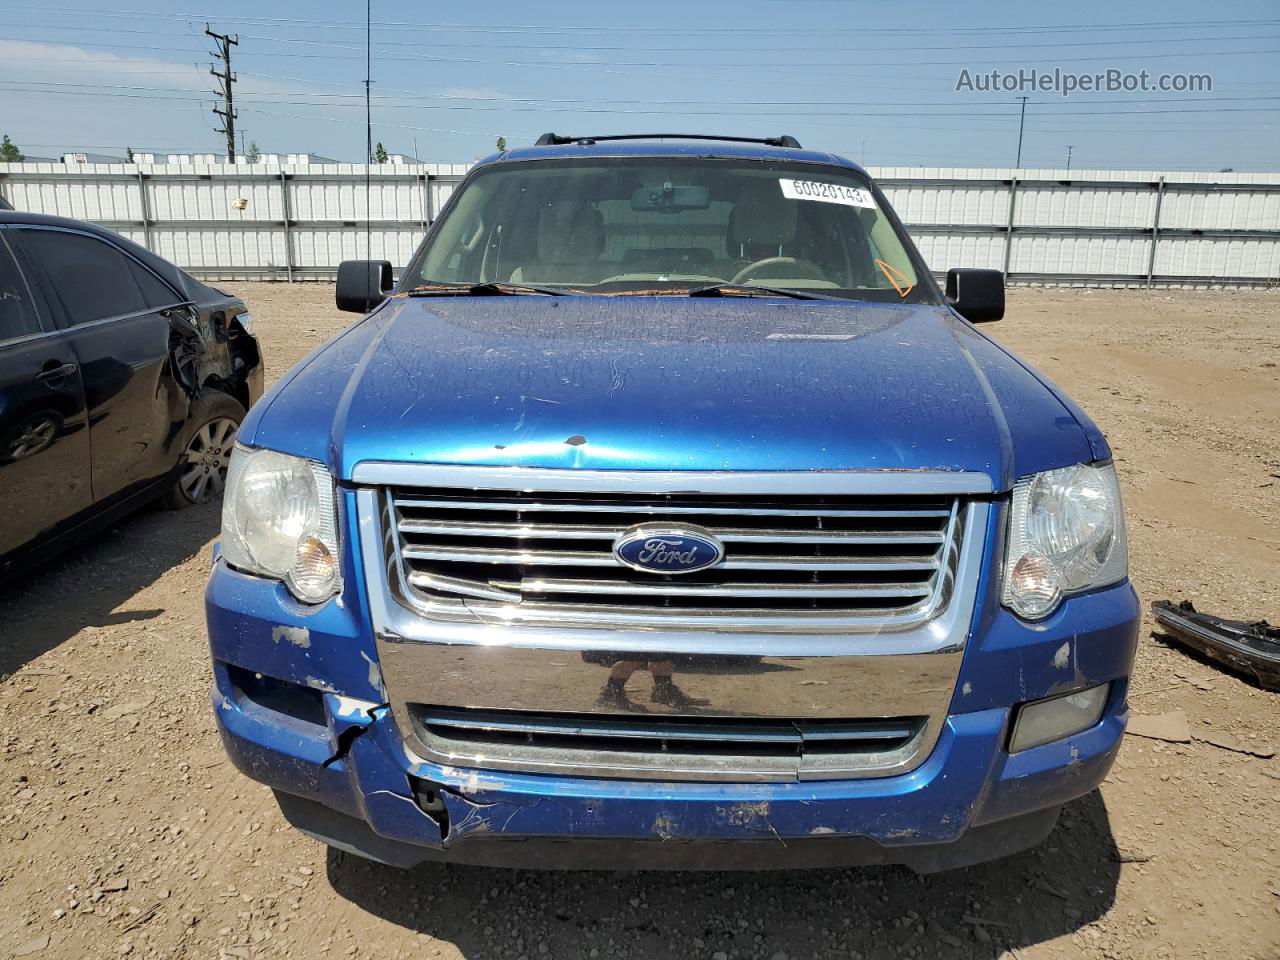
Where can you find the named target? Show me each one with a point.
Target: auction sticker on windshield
(826, 192)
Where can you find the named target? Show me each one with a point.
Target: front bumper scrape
(351, 782)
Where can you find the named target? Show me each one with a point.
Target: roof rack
(555, 139)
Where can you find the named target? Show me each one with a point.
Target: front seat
(763, 225)
(762, 222)
(570, 241)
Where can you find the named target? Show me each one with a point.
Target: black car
(122, 380)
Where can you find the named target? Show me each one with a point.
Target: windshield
(669, 225)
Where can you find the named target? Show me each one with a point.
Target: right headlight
(279, 521)
(1066, 535)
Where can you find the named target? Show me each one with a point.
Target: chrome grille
(791, 562)
(665, 747)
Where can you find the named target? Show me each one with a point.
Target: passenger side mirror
(363, 284)
(977, 295)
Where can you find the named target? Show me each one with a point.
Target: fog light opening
(1044, 721)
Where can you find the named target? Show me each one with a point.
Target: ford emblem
(662, 548)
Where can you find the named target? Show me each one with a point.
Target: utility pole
(1070, 147)
(368, 83)
(226, 78)
(1021, 120)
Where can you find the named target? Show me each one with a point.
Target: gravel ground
(124, 832)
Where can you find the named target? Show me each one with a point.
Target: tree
(254, 155)
(380, 153)
(9, 151)
(502, 144)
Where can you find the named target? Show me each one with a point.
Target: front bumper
(345, 775)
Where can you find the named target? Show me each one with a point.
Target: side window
(89, 276)
(18, 316)
(155, 291)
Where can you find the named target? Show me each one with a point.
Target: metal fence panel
(297, 221)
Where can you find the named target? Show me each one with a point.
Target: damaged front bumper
(343, 773)
(1251, 647)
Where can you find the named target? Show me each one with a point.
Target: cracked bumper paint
(344, 775)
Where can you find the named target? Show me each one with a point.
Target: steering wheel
(799, 269)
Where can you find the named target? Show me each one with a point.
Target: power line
(876, 70)
(337, 45)
(664, 31)
(477, 103)
(340, 45)
(668, 48)
(162, 93)
(226, 79)
(879, 101)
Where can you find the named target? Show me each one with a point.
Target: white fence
(296, 222)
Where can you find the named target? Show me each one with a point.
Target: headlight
(279, 521)
(1066, 534)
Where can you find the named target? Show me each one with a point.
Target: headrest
(762, 214)
(569, 231)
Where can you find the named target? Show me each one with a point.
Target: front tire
(210, 437)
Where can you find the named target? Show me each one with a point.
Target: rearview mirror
(670, 199)
(362, 284)
(977, 295)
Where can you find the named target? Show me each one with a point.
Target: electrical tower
(225, 79)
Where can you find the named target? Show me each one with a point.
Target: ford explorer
(666, 513)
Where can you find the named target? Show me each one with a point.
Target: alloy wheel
(36, 435)
(208, 454)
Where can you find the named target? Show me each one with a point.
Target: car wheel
(31, 437)
(202, 468)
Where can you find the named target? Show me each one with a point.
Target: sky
(874, 80)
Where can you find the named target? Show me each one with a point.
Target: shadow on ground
(85, 586)
(1050, 891)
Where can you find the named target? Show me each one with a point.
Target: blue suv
(666, 514)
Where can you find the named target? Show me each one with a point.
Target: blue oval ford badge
(663, 548)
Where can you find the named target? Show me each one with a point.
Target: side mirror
(977, 295)
(362, 284)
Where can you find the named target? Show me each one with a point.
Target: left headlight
(279, 520)
(1066, 535)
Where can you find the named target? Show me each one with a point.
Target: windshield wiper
(435, 288)
(753, 290)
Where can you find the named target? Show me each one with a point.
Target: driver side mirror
(977, 295)
(362, 284)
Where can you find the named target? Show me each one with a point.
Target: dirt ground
(124, 832)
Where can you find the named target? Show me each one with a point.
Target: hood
(669, 383)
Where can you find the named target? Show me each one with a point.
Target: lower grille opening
(678, 747)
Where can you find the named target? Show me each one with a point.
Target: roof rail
(555, 139)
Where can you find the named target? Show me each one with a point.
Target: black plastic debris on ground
(1252, 648)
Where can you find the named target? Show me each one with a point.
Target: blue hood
(671, 383)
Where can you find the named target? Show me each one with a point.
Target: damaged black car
(123, 380)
